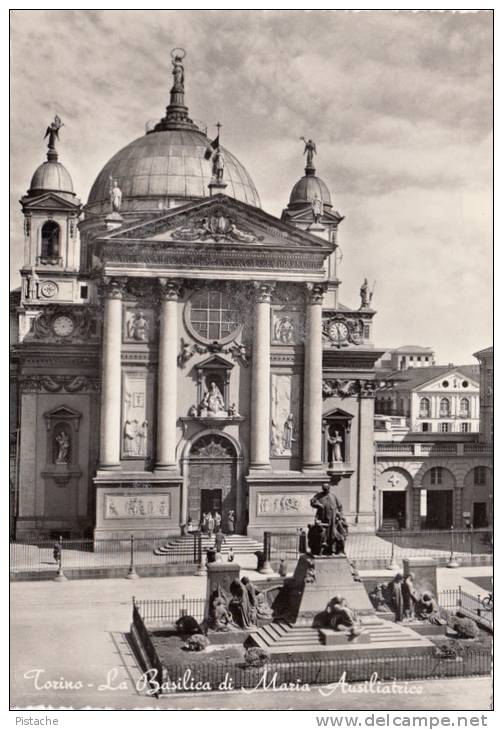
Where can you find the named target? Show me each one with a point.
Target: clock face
(338, 331)
(63, 326)
(49, 289)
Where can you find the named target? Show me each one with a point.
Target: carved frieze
(64, 325)
(138, 325)
(125, 507)
(217, 227)
(285, 413)
(59, 383)
(283, 504)
(237, 350)
(287, 327)
(335, 387)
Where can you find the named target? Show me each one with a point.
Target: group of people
(211, 522)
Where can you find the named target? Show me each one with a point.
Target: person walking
(218, 520)
(219, 540)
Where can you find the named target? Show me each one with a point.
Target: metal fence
(170, 611)
(367, 549)
(42, 555)
(474, 607)
(434, 664)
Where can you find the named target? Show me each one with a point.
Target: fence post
(60, 577)
(471, 539)
(392, 565)
(266, 566)
(201, 568)
(452, 562)
(132, 574)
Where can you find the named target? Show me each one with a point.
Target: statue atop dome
(177, 56)
(52, 131)
(309, 150)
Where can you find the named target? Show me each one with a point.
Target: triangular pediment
(450, 381)
(337, 413)
(305, 215)
(215, 362)
(62, 412)
(49, 201)
(219, 221)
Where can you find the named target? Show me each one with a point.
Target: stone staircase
(185, 545)
(283, 638)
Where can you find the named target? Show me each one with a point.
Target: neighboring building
(439, 399)
(407, 356)
(181, 350)
(486, 360)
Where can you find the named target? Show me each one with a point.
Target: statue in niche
(328, 534)
(63, 441)
(317, 208)
(129, 435)
(288, 437)
(141, 439)
(334, 447)
(213, 403)
(138, 327)
(115, 195)
(284, 330)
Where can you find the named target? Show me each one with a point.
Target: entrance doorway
(393, 509)
(438, 509)
(480, 514)
(212, 478)
(211, 501)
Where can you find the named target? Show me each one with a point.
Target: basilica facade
(179, 350)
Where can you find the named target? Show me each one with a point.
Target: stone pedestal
(425, 574)
(317, 580)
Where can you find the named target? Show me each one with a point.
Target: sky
(398, 103)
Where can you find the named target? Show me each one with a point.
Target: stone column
(261, 378)
(167, 377)
(313, 353)
(110, 419)
(366, 476)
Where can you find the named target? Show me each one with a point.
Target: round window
(465, 383)
(445, 384)
(212, 316)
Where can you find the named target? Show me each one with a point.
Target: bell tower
(51, 209)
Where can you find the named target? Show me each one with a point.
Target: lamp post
(132, 574)
(60, 577)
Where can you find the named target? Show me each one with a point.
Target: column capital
(170, 289)
(112, 287)
(315, 292)
(367, 388)
(263, 291)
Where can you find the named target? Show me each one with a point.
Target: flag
(213, 146)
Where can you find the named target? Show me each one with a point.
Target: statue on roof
(365, 294)
(177, 56)
(115, 195)
(52, 131)
(309, 150)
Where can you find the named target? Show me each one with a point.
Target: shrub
(465, 628)
(197, 642)
(188, 625)
(256, 657)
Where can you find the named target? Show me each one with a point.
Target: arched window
(436, 475)
(445, 407)
(464, 408)
(424, 408)
(50, 240)
(480, 476)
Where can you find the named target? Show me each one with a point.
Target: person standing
(231, 521)
(210, 524)
(218, 520)
(219, 540)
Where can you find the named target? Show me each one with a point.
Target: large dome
(163, 166)
(307, 189)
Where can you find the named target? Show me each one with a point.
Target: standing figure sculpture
(115, 195)
(177, 56)
(63, 441)
(328, 536)
(309, 150)
(52, 131)
(317, 208)
(334, 444)
(365, 295)
(218, 162)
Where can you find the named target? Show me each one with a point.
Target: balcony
(418, 449)
(49, 261)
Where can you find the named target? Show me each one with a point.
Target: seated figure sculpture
(257, 599)
(341, 616)
(428, 610)
(242, 611)
(220, 618)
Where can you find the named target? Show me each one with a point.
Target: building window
(366, 331)
(436, 475)
(213, 317)
(479, 476)
(424, 408)
(466, 427)
(84, 291)
(426, 358)
(445, 383)
(445, 427)
(464, 408)
(425, 427)
(445, 407)
(50, 240)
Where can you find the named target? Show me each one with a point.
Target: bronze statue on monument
(328, 534)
